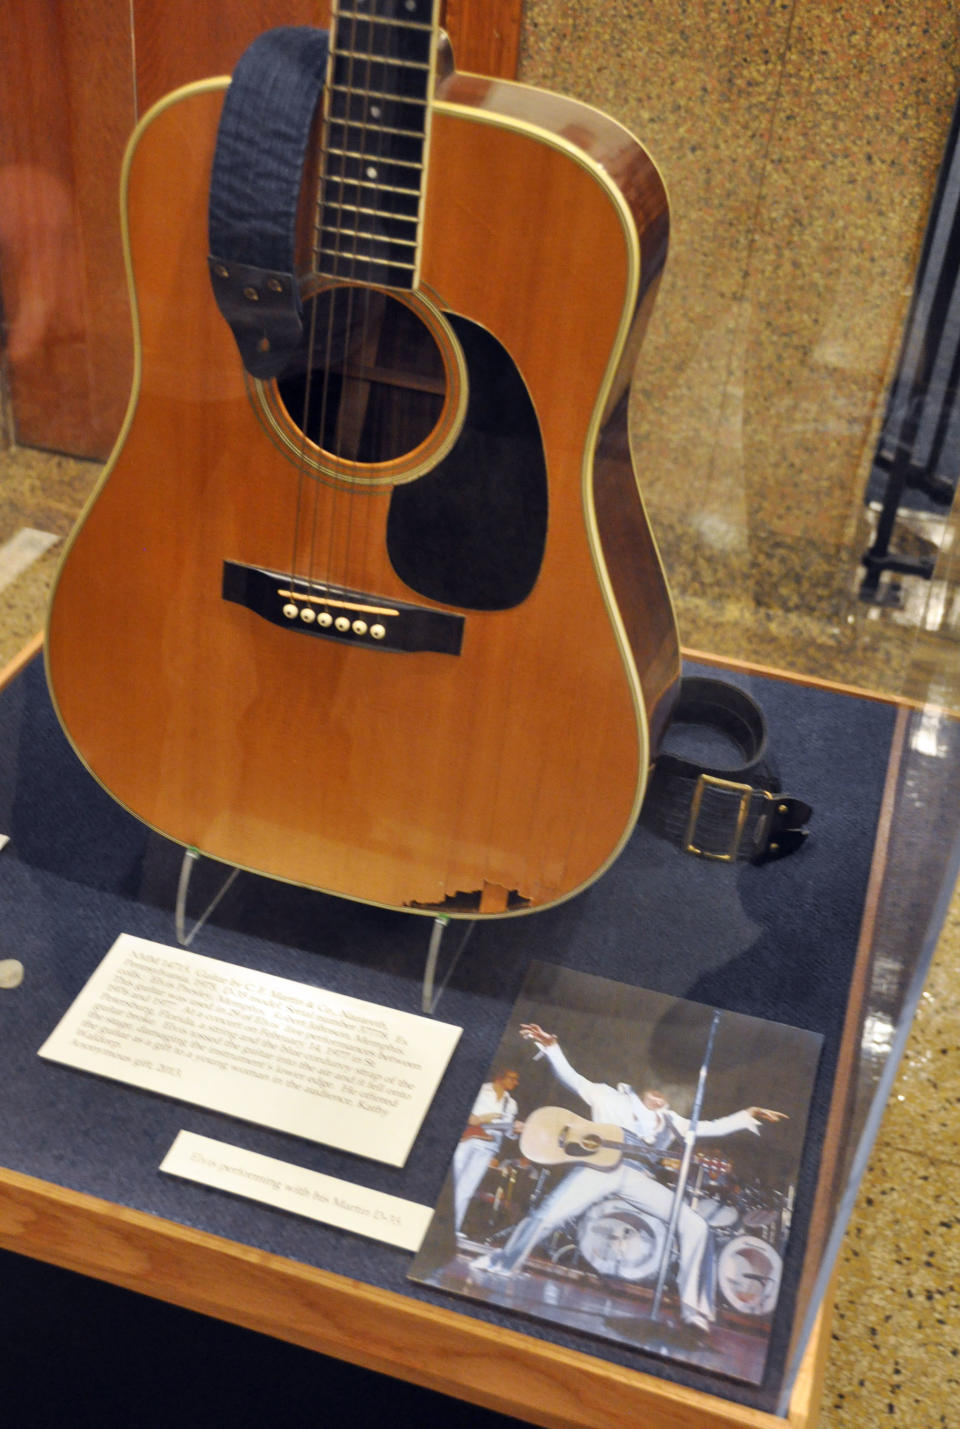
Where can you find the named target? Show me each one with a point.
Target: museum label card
(294, 1188)
(329, 1068)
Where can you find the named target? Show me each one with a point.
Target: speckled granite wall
(800, 144)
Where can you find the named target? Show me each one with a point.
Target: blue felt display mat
(777, 942)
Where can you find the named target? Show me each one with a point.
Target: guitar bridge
(337, 613)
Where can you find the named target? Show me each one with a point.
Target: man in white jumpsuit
(494, 1114)
(650, 1119)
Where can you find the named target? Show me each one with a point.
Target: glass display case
(781, 420)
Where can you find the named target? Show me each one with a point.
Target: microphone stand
(689, 1139)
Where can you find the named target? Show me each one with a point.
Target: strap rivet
(222, 271)
(251, 295)
(275, 285)
(781, 808)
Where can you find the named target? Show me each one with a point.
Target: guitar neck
(377, 117)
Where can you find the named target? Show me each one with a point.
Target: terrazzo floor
(895, 1351)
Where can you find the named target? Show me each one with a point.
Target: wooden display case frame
(436, 1348)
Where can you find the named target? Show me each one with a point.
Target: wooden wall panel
(178, 41)
(73, 80)
(66, 107)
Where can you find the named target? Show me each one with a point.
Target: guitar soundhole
(368, 385)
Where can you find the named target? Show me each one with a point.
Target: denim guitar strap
(255, 192)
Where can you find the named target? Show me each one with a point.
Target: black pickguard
(472, 531)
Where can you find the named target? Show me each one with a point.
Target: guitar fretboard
(379, 85)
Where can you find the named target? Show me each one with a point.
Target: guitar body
(500, 778)
(554, 1136)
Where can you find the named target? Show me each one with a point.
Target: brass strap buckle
(746, 792)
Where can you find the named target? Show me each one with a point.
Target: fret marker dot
(375, 111)
(371, 171)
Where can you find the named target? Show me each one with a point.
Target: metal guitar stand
(431, 991)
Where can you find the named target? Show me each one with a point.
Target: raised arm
(558, 1062)
(747, 1120)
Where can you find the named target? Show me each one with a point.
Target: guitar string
(340, 250)
(388, 429)
(373, 414)
(333, 292)
(303, 486)
(354, 294)
(394, 49)
(305, 482)
(361, 295)
(370, 158)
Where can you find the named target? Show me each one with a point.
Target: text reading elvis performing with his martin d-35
(366, 599)
(582, 1195)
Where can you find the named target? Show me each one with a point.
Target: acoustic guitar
(554, 1136)
(392, 624)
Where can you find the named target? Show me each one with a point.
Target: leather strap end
(782, 830)
(263, 310)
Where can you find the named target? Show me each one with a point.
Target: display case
(780, 396)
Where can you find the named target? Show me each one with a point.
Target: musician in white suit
(494, 1115)
(655, 1125)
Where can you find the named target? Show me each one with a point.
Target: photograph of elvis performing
(632, 1187)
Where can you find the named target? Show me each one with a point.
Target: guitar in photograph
(388, 622)
(554, 1136)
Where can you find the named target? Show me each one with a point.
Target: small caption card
(299, 1059)
(294, 1188)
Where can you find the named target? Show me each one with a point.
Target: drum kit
(615, 1238)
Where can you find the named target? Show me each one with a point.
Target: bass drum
(618, 1239)
(748, 1273)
